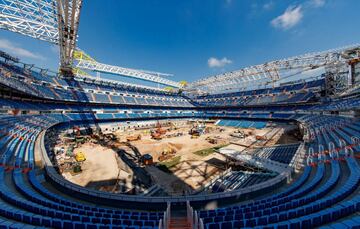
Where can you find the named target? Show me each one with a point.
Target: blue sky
(198, 38)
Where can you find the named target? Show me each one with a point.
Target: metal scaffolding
(274, 71)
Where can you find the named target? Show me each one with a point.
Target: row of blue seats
(242, 123)
(331, 207)
(283, 154)
(93, 85)
(351, 223)
(292, 87)
(281, 98)
(62, 94)
(259, 204)
(296, 211)
(236, 180)
(325, 137)
(83, 208)
(93, 214)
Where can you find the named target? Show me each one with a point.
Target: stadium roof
(274, 71)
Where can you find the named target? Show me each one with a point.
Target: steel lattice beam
(87, 77)
(54, 21)
(272, 71)
(34, 18)
(132, 73)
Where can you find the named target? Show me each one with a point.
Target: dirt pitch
(189, 175)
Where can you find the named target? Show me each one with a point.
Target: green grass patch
(170, 163)
(208, 151)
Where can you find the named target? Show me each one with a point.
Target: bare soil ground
(100, 166)
(191, 173)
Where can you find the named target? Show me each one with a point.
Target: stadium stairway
(179, 219)
(179, 223)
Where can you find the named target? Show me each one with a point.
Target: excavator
(158, 133)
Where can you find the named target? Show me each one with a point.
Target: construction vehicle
(260, 138)
(167, 154)
(77, 168)
(76, 131)
(132, 138)
(238, 134)
(159, 129)
(80, 157)
(156, 135)
(211, 140)
(158, 132)
(197, 130)
(147, 159)
(174, 135)
(79, 139)
(194, 131)
(195, 136)
(70, 151)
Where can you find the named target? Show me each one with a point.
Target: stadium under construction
(274, 145)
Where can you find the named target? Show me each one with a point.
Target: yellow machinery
(194, 136)
(167, 154)
(80, 157)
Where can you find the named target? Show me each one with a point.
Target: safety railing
(164, 223)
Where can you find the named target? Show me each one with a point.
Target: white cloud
(291, 17)
(218, 63)
(15, 50)
(317, 3)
